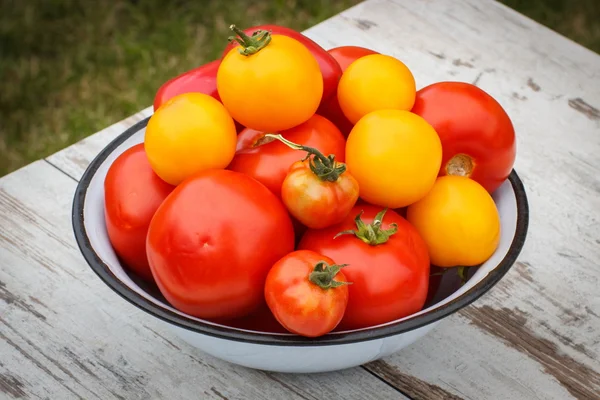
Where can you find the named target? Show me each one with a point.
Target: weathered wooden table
(536, 335)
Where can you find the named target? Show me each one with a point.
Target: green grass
(69, 68)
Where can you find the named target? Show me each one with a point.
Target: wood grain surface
(536, 335)
(65, 335)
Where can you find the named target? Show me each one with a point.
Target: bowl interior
(93, 240)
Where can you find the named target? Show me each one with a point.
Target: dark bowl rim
(223, 332)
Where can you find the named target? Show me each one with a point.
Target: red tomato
(477, 135)
(307, 293)
(330, 108)
(213, 241)
(388, 264)
(268, 160)
(132, 193)
(202, 79)
(317, 202)
(329, 67)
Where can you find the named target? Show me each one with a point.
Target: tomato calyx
(323, 275)
(461, 165)
(372, 234)
(325, 168)
(250, 44)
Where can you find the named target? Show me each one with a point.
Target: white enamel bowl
(284, 352)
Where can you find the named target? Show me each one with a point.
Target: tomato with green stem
(317, 190)
(269, 82)
(268, 160)
(307, 293)
(388, 264)
(330, 69)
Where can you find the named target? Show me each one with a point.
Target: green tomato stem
(323, 275)
(326, 168)
(372, 234)
(250, 44)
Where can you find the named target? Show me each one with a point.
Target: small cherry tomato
(330, 69)
(478, 137)
(307, 293)
(212, 242)
(388, 264)
(395, 156)
(132, 194)
(190, 133)
(458, 220)
(375, 82)
(268, 160)
(269, 82)
(330, 107)
(317, 191)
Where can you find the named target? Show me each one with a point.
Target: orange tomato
(375, 82)
(458, 220)
(189, 133)
(276, 85)
(317, 202)
(395, 156)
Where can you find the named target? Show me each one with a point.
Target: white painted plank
(65, 335)
(537, 334)
(73, 160)
(546, 344)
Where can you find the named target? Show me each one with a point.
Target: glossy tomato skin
(470, 122)
(458, 220)
(330, 107)
(269, 163)
(299, 305)
(375, 82)
(277, 87)
(202, 79)
(132, 194)
(329, 67)
(189, 133)
(317, 203)
(389, 281)
(212, 242)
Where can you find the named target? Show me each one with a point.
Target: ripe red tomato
(477, 135)
(202, 79)
(307, 293)
(132, 193)
(213, 241)
(330, 108)
(268, 160)
(388, 264)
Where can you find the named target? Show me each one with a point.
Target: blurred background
(69, 68)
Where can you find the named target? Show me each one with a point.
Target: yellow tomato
(458, 220)
(375, 82)
(189, 133)
(275, 88)
(395, 156)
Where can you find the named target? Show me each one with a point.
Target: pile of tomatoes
(284, 187)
